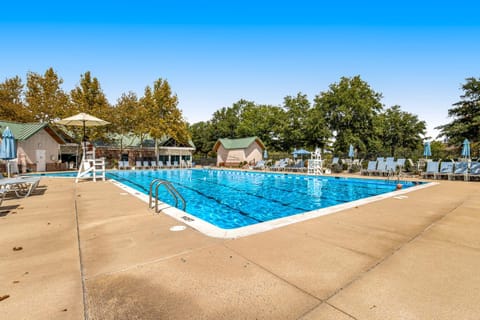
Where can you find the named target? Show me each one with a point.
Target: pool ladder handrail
(156, 183)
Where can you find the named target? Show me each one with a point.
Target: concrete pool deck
(412, 258)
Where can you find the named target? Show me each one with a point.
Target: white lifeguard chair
(315, 164)
(90, 167)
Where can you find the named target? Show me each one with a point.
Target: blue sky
(214, 53)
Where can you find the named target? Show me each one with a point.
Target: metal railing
(153, 194)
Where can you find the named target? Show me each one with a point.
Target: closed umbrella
(265, 154)
(466, 149)
(351, 152)
(427, 151)
(8, 150)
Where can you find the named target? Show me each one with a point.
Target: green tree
(465, 114)
(164, 116)
(350, 108)
(88, 97)
(317, 132)
(400, 131)
(202, 137)
(125, 115)
(225, 121)
(12, 107)
(263, 121)
(297, 109)
(45, 98)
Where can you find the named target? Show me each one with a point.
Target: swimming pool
(232, 199)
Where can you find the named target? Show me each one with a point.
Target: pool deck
(92, 251)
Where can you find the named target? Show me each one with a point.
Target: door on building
(40, 154)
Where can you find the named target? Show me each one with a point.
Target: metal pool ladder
(155, 185)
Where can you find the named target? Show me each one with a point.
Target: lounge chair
(298, 166)
(400, 164)
(371, 168)
(446, 169)
(175, 164)
(335, 161)
(390, 167)
(260, 165)
(2, 195)
(145, 164)
(461, 170)
(138, 165)
(474, 171)
(381, 167)
(280, 165)
(168, 165)
(160, 164)
(432, 169)
(23, 186)
(153, 164)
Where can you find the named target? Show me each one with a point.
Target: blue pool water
(232, 199)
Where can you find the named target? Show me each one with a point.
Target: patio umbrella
(427, 151)
(83, 120)
(351, 152)
(466, 149)
(7, 148)
(300, 152)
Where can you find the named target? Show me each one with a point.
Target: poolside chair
(334, 161)
(461, 170)
(121, 165)
(22, 186)
(175, 164)
(474, 171)
(260, 165)
(138, 164)
(145, 164)
(432, 169)
(446, 169)
(153, 164)
(381, 167)
(2, 195)
(371, 168)
(400, 164)
(390, 167)
(280, 165)
(160, 164)
(168, 165)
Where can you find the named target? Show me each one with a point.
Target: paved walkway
(412, 258)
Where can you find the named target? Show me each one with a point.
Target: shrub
(337, 168)
(354, 168)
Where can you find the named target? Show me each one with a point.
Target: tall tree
(125, 115)
(88, 97)
(225, 121)
(202, 136)
(12, 107)
(350, 108)
(465, 114)
(164, 116)
(296, 109)
(263, 121)
(44, 96)
(400, 131)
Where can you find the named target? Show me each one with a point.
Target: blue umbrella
(265, 154)
(466, 149)
(427, 151)
(300, 152)
(351, 152)
(7, 147)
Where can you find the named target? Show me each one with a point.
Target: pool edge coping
(210, 230)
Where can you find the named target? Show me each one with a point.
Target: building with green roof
(38, 145)
(232, 152)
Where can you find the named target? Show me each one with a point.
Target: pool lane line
(245, 214)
